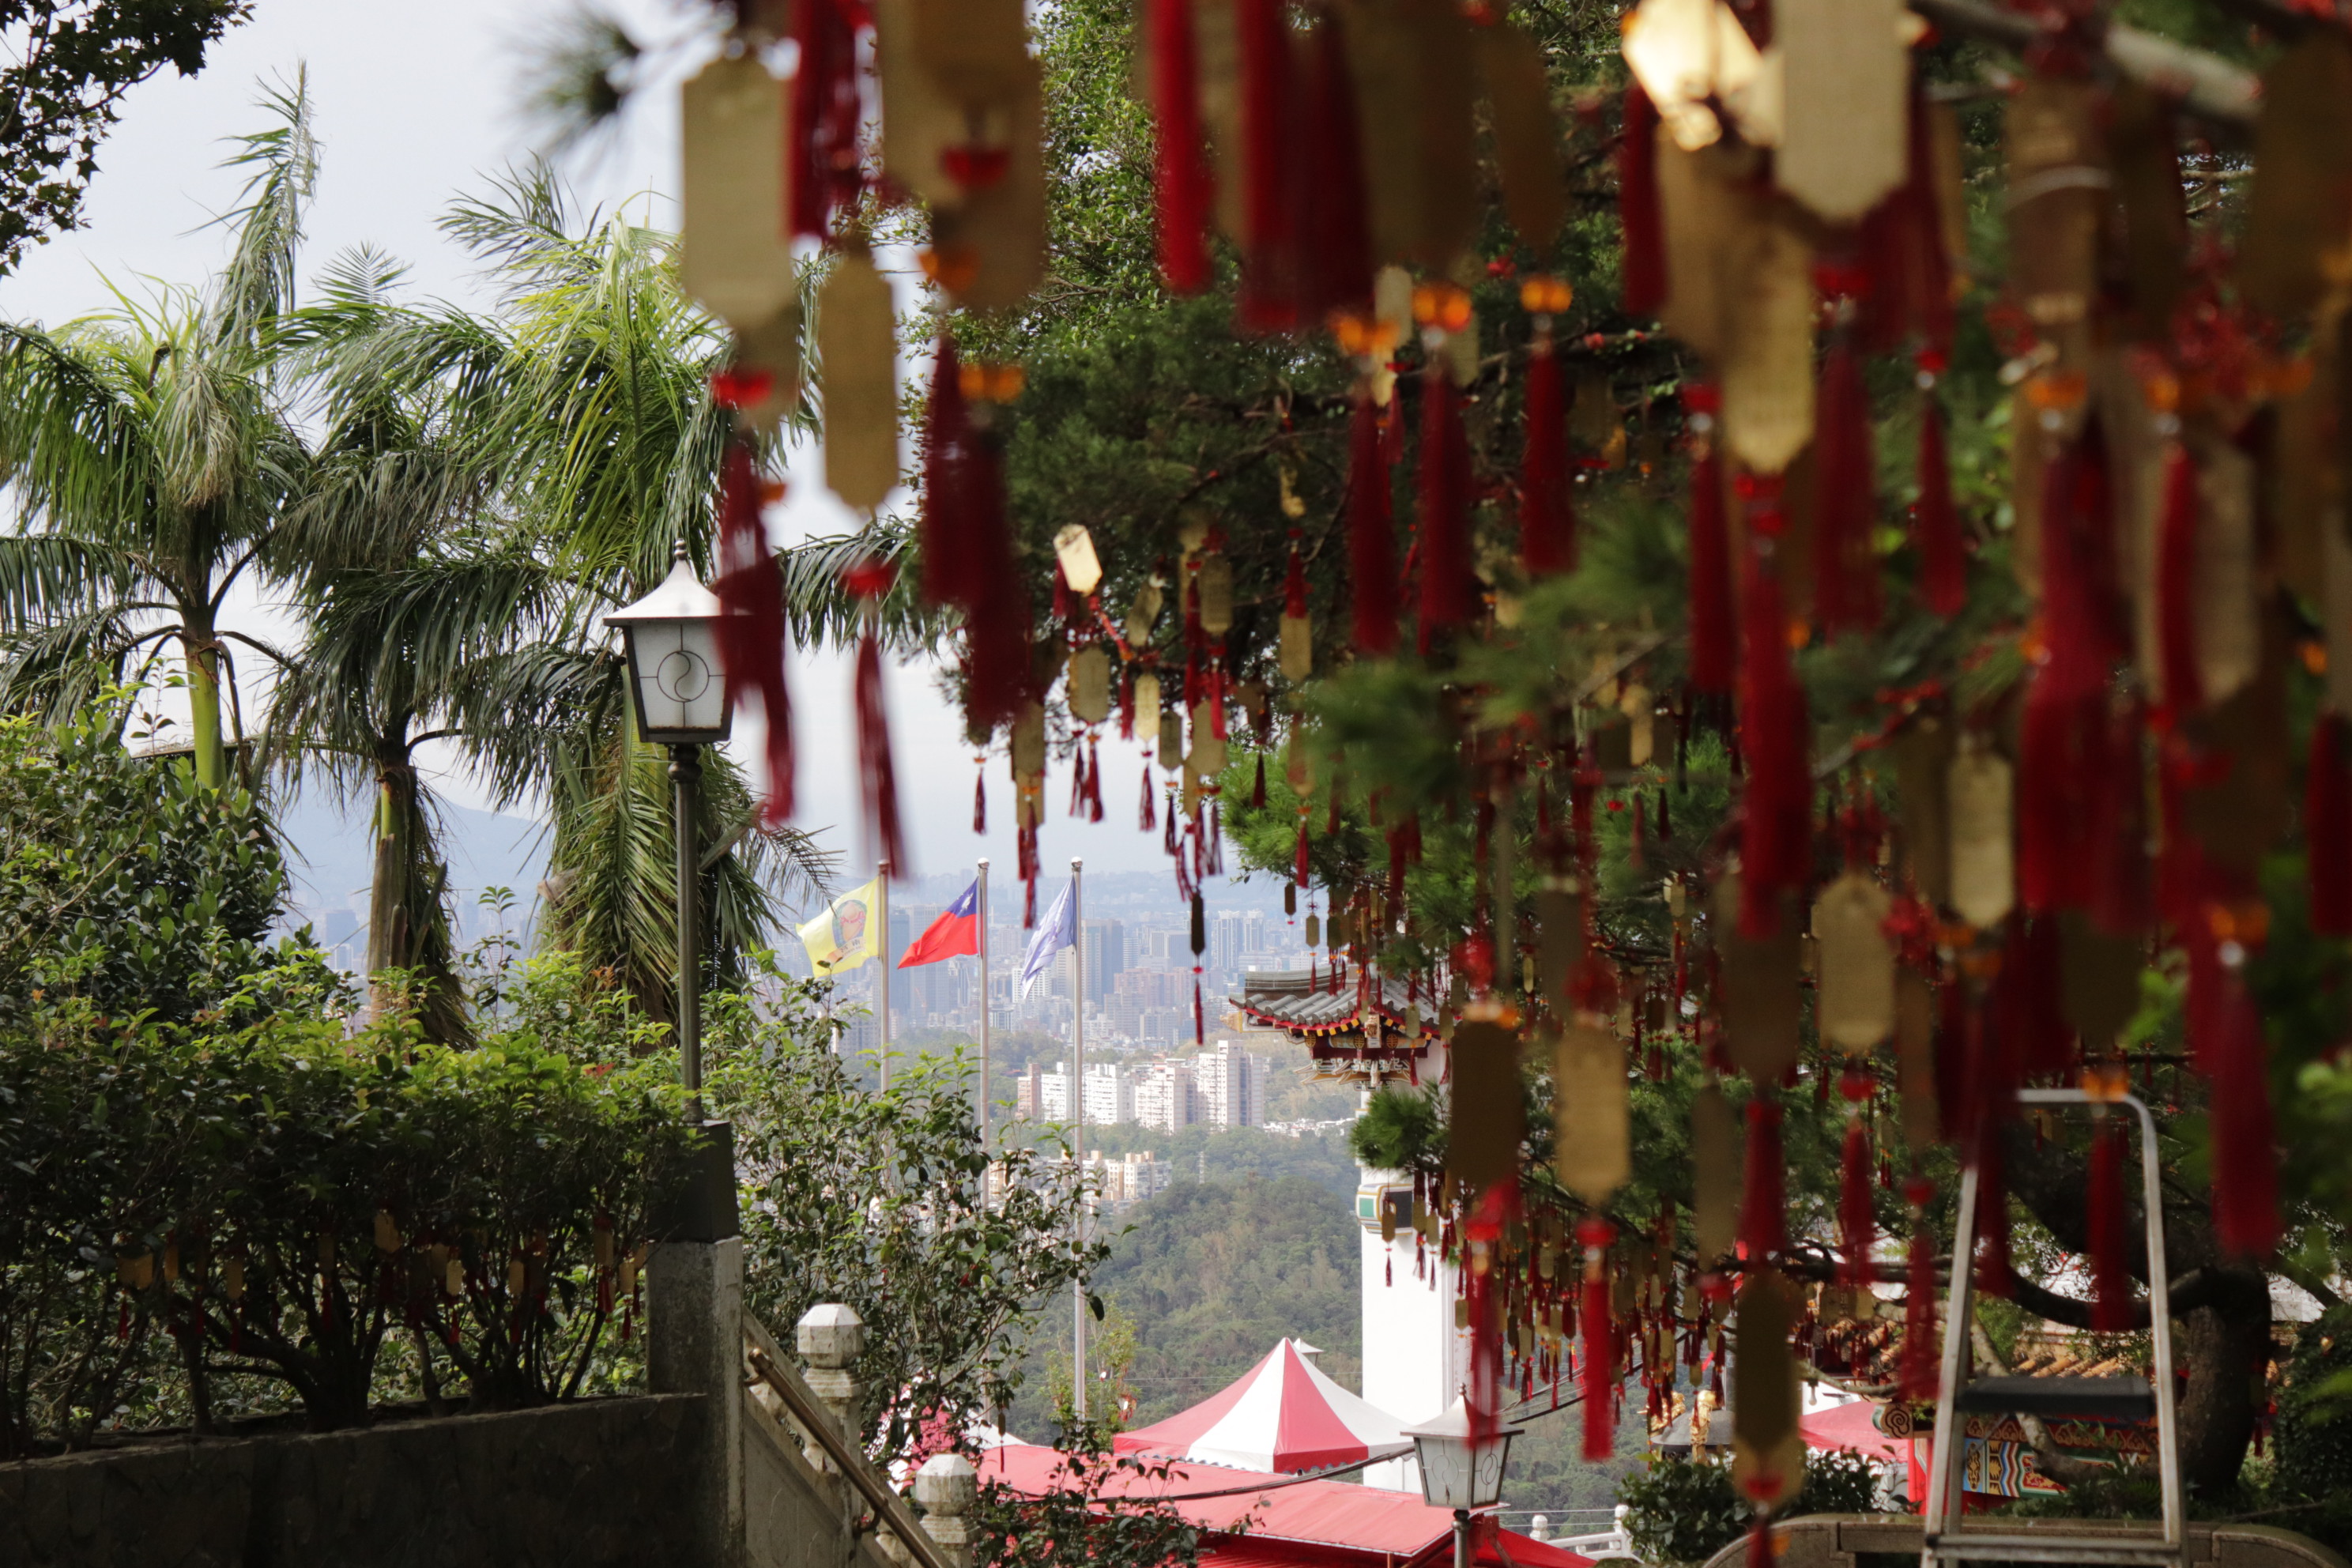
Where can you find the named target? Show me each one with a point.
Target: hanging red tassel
(1078, 780)
(968, 562)
(1992, 1263)
(1168, 826)
(1639, 214)
(2176, 585)
(750, 593)
(1334, 242)
(980, 801)
(1857, 1223)
(1143, 816)
(825, 174)
(1371, 533)
(1180, 172)
(2110, 1289)
(1935, 520)
(1759, 1540)
(1921, 1353)
(1448, 588)
(1845, 505)
(1776, 828)
(1547, 517)
(2327, 825)
(1711, 635)
(2245, 1161)
(1257, 789)
(1094, 779)
(877, 775)
(1269, 292)
(1763, 1197)
(1598, 1372)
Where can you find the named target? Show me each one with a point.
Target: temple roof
(1303, 1002)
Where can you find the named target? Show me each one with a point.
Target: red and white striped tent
(1282, 1416)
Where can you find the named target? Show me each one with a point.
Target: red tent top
(1283, 1414)
(1279, 1519)
(1852, 1426)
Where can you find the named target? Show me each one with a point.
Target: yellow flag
(843, 936)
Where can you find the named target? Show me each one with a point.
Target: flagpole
(1078, 1093)
(980, 910)
(882, 1012)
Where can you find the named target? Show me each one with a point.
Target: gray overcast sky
(415, 104)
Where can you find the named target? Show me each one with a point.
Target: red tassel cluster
(967, 544)
(751, 592)
(1857, 1221)
(825, 166)
(1448, 588)
(1845, 505)
(2327, 825)
(1371, 532)
(1335, 262)
(2110, 1288)
(2176, 585)
(878, 778)
(1775, 830)
(1597, 1371)
(1920, 1352)
(1269, 293)
(1763, 1197)
(1547, 517)
(1639, 213)
(1180, 166)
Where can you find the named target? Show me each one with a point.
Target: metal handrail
(817, 1421)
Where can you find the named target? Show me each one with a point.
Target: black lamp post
(680, 689)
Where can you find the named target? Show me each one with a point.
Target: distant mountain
(332, 854)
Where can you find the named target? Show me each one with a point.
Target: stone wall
(569, 1486)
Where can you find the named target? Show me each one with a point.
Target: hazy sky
(414, 104)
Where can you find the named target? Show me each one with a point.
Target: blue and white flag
(1060, 931)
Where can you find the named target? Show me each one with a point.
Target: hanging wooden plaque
(977, 49)
(2029, 456)
(1380, 38)
(1845, 110)
(1090, 688)
(1527, 161)
(1715, 1175)
(1488, 1111)
(1854, 1004)
(994, 242)
(2222, 601)
(1560, 941)
(1218, 64)
(2058, 188)
(1592, 1147)
(1025, 747)
(1923, 765)
(2098, 980)
(775, 351)
(1768, 1452)
(856, 337)
(2298, 239)
(1915, 1059)
(1147, 705)
(1984, 863)
(920, 122)
(1768, 349)
(1207, 757)
(1758, 980)
(1453, 199)
(1298, 763)
(733, 258)
(2141, 136)
(1689, 55)
(1172, 739)
(1701, 213)
(1296, 654)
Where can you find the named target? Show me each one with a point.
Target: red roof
(1279, 1521)
(1853, 1426)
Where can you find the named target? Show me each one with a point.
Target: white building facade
(1416, 1362)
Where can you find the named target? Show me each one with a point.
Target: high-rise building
(1029, 1097)
(1110, 1094)
(1165, 1097)
(1231, 1084)
(1106, 958)
(1238, 935)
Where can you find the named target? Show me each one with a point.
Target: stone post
(830, 1338)
(946, 1487)
(694, 1340)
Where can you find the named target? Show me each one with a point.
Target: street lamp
(671, 636)
(1455, 1473)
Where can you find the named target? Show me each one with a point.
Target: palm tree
(152, 454)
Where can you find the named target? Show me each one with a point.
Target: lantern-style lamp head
(1453, 1473)
(672, 636)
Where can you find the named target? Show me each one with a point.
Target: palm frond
(257, 289)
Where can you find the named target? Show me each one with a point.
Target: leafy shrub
(1682, 1511)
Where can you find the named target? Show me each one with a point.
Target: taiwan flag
(953, 934)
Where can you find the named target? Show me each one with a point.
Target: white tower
(1416, 1362)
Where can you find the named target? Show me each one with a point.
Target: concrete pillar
(830, 1338)
(694, 1344)
(945, 1488)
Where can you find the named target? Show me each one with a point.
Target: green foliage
(885, 1201)
(2313, 1429)
(126, 888)
(1684, 1511)
(72, 62)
